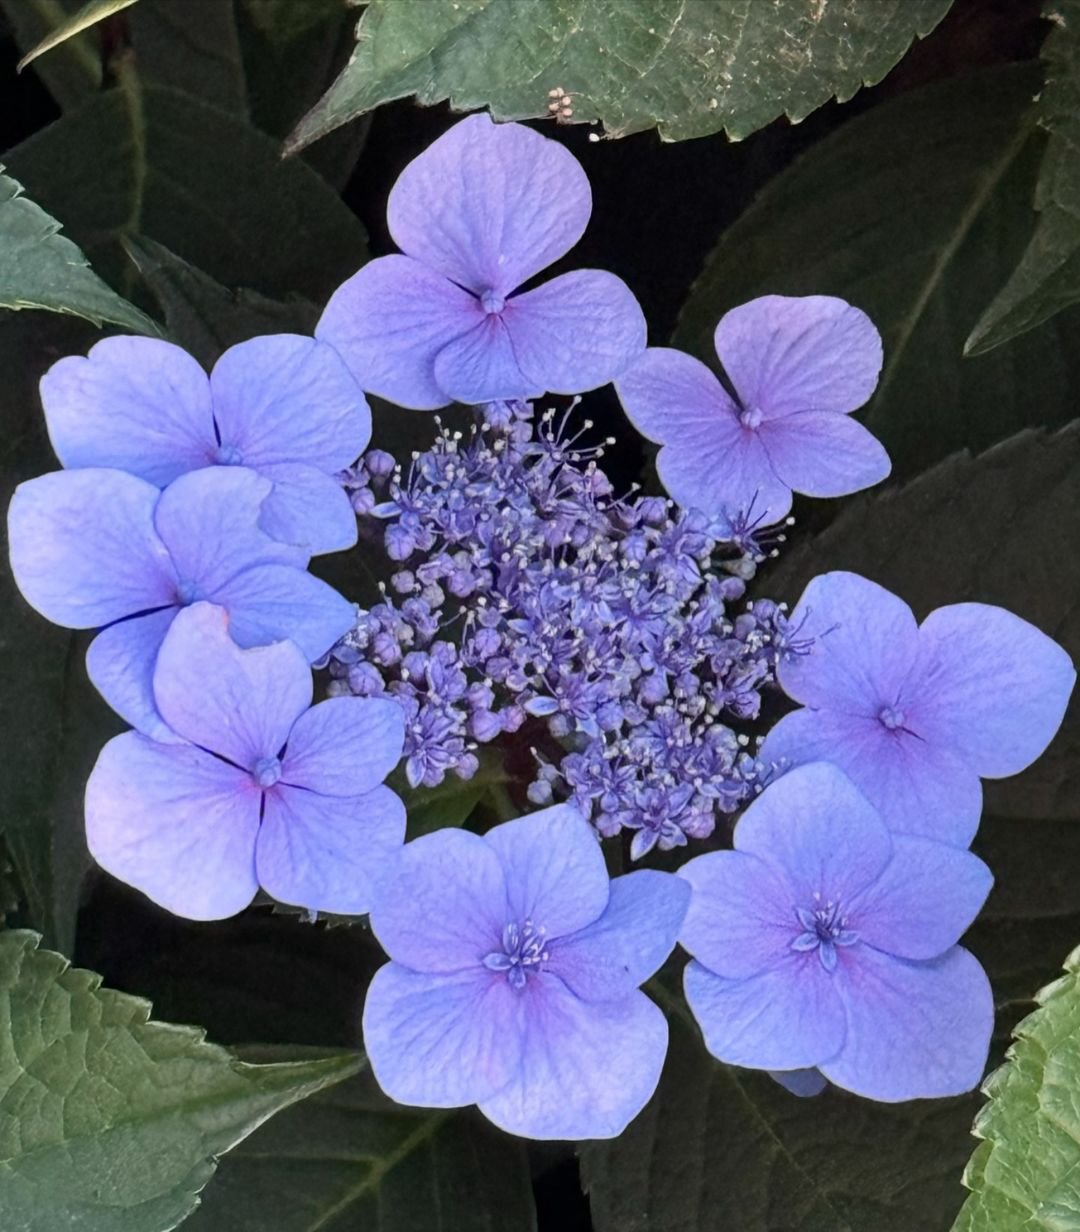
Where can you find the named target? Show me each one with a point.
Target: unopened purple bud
(485, 643)
(400, 544)
(365, 681)
(379, 463)
(653, 510)
(385, 649)
(480, 696)
(414, 665)
(559, 726)
(609, 716)
(460, 583)
(539, 792)
(403, 582)
(513, 717)
(363, 501)
(433, 595)
(653, 689)
(484, 725)
(467, 766)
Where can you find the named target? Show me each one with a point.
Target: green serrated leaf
(689, 67)
(349, 1158)
(1002, 527)
(206, 318)
(1047, 279)
(89, 15)
(40, 268)
(1025, 1176)
(916, 212)
(110, 1122)
(154, 162)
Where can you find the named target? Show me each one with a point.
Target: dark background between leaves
(714, 1145)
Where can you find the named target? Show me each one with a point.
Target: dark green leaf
(155, 163)
(916, 212)
(719, 1149)
(1026, 1174)
(348, 1159)
(690, 67)
(206, 318)
(74, 70)
(110, 1122)
(40, 268)
(89, 15)
(1047, 278)
(1004, 528)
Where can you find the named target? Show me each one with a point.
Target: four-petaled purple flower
(515, 974)
(823, 941)
(798, 368)
(476, 215)
(96, 548)
(270, 791)
(916, 714)
(283, 405)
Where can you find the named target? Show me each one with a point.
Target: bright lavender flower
(283, 405)
(96, 548)
(823, 941)
(477, 214)
(916, 714)
(798, 368)
(268, 793)
(515, 974)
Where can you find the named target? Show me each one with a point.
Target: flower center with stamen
(186, 592)
(523, 950)
(824, 928)
(228, 455)
(751, 418)
(266, 771)
(492, 302)
(892, 717)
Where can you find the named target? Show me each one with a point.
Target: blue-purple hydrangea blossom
(514, 980)
(824, 941)
(98, 548)
(567, 604)
(916, 714)
(282, 405)
(798, 368)
(476, 215)
(264, 789)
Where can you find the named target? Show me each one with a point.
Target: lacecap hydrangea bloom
(480, 212)
(99, 548)
(265, 790)
(282, 405)
(916, 714)
(798, 367)
(515, 974)
(824, 941)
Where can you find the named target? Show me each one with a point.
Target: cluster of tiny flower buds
(526, 590)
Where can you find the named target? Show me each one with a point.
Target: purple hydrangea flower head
(798, 367)
(480, 212)
(515, 974)
(283, 405)
(824, 941)
(270, 791)
(916, 714)
(97, 548)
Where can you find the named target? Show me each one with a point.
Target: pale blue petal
(445, 907)
(137, 404)
(176, 823)
(287, 398)
(916, 1030)
(924, 900)
(555, 871)
(741, 917)
(993, 688)
(328, 853)
(630, 942)
(789, 1016)
(818, 832)
(786, 354)
(83, 547)
(272, 602)
(442, 1041)
(917, 787)
(481, 366)
(238, 703)
(866, 644)
(489, 205)
(820, 453)
(307, 508)
(587, 1069)
(576, 332)
(120, 663)
(805, 1083)
(345, 746)
(388, 323)
(667, 392)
